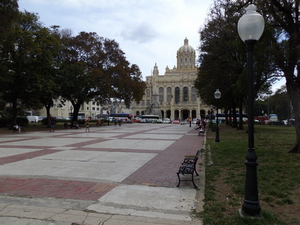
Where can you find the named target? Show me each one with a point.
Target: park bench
(201, 132)
(188, 167)
(22, 130)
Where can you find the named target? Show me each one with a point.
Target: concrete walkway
(110, 175)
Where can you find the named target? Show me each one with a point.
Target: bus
(125, 117)
(149, 118)
(221, 116)
(81, 116)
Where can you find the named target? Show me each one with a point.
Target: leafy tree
(8, 15)
(283, 15)
(95, 68)
(223, 60)
(279, 103)
(20, 52)
(46, 68)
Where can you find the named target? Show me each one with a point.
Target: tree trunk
(294, 94)
(234, 119)
(14, 113)
(48, 107)
(241, 121)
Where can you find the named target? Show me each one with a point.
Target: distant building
(177, 96)
(171, 95)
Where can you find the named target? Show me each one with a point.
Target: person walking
(52, 124)
(87, 127)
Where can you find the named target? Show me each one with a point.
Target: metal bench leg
(196, 172)
(195, 186)
(178, 180)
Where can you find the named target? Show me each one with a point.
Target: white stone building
(177, 96)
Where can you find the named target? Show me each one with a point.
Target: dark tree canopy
(95, 68)
(223, 59)
(41, 64)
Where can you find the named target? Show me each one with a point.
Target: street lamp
(250, 29)
(71, 108)
(217, 95)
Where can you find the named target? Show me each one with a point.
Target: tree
(283, 15)
(223, 59)
(21, 50)
(8, 15)
(278, 103)
(46, 67)
(95, 68)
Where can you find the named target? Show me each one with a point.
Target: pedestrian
(190, 121)
(52, 124)
(17, 128)
(87, 127)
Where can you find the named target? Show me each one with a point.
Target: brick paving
(29, 155)
(67, 189)
(159, 171)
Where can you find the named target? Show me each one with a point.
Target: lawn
(277, 174)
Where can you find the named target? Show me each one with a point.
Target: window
(161, 95)
(185, 94)
(177, 95)
(194, 94)
(169, 94)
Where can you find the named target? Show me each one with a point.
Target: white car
(166, 120)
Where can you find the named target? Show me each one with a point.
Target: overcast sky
(148, 31)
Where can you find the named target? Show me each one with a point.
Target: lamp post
(250, 29)
(211, 107)
(217, 95)
(71, 108)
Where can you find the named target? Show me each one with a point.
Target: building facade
(174, 91)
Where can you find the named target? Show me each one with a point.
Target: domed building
(174, 92)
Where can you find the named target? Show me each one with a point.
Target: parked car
(176, 122)
(166, 120)
(61, 118)
(159, 121)
(41, 118)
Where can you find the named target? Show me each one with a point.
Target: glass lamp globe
(251, 25)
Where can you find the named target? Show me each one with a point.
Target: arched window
(185, 94)
(169, 94)
(194, 95)
(177, 95)
(161, 95)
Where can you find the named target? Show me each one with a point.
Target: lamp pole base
(242, 214)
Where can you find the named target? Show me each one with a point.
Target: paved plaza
(110, 175)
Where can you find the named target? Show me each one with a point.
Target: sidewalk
(111, 175)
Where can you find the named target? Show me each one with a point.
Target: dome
(186, 48)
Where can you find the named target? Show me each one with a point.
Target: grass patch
(277, 174)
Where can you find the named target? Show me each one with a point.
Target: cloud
(142, 33)
(148, 31)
